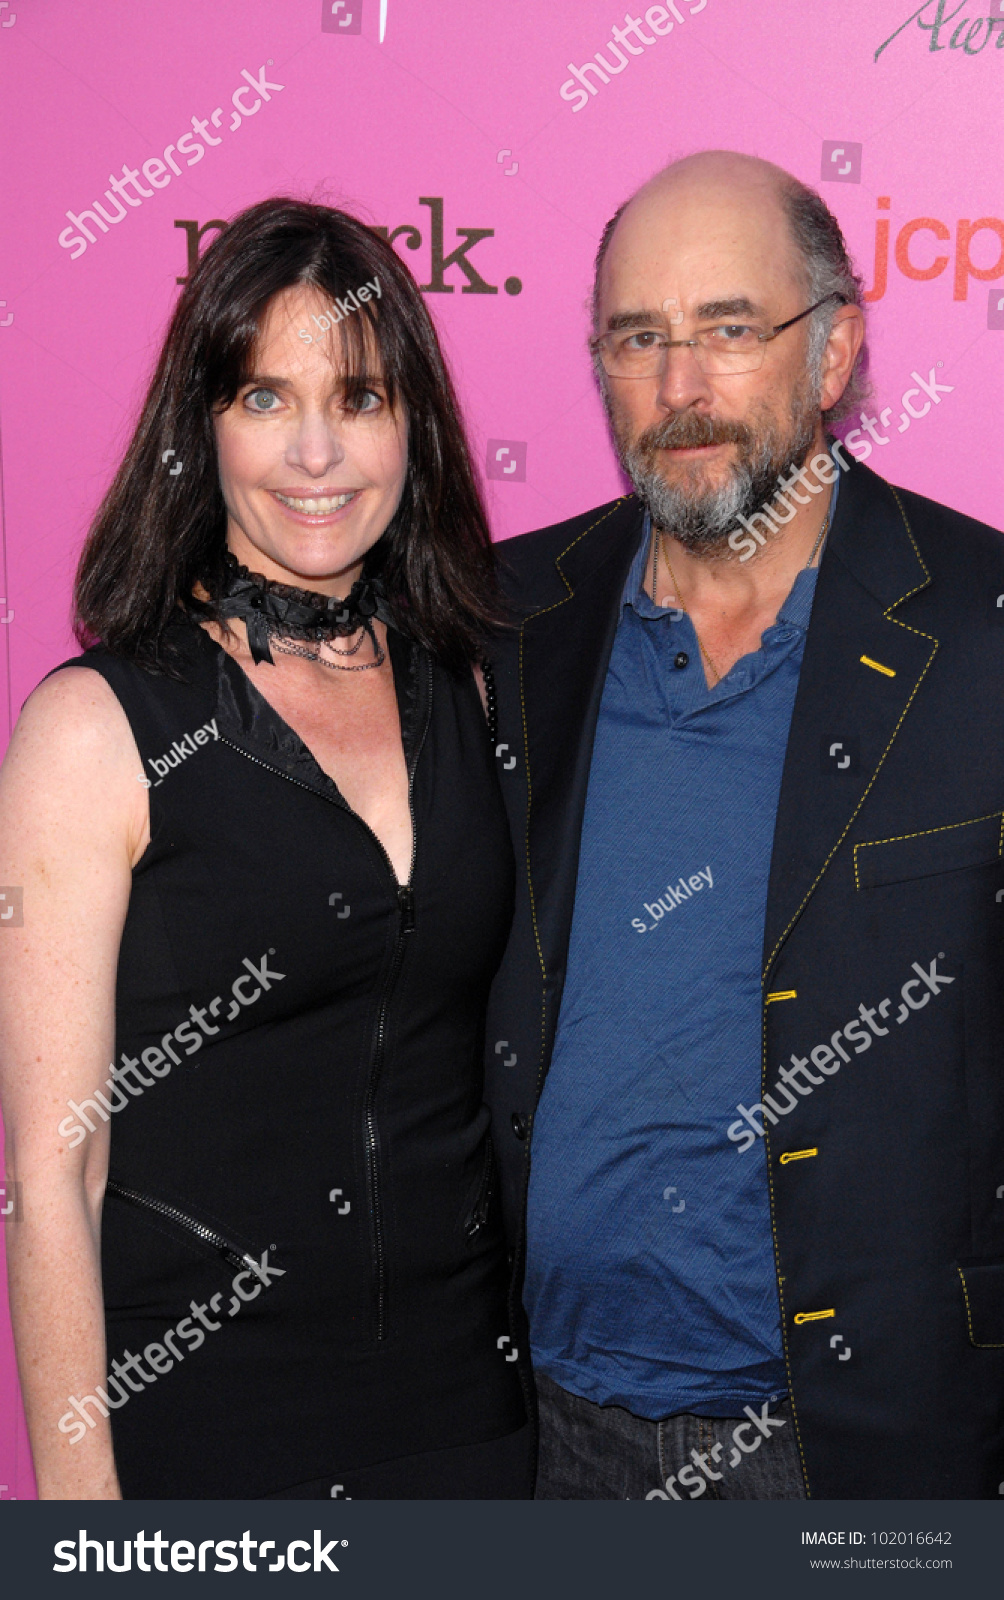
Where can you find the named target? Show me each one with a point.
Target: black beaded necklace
(275, 614)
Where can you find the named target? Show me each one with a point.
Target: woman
(267, 876)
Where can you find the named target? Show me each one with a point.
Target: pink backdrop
(476, 105)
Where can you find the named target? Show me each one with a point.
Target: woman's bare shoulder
(73, 714)
(73, 764)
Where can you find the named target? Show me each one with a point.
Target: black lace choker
(278, 613)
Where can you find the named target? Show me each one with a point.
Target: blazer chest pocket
(983, 1289)
(921, 855)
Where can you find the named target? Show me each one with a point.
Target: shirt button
(681, 660)
(519, 1124)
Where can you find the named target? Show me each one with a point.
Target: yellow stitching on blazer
(780, 1286)
(797, 1155)
(813, 1316)
(781, 994)
(784, 935)
(946, 827)
(921, 635)
(969, 1319)
(868, 662)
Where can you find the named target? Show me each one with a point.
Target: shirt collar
(794, 612)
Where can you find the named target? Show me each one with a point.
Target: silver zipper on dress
(230, 1252)
(406, 913)
(406, 925)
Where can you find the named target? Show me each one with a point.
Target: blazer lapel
(861, 670)
(564, 653)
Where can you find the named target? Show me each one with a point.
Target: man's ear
(847, 335)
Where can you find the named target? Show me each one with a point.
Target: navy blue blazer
(882, 968)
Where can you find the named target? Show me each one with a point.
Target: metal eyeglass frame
(684, 344)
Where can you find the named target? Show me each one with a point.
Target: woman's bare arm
(73, 821)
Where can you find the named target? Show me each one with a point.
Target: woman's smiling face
(311, 475)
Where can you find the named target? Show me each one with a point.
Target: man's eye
(261, 400)
(645, 339)
(736, 333)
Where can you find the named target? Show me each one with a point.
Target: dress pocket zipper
(479, 1216)
(231, 1253)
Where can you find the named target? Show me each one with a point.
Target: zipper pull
(406, 905)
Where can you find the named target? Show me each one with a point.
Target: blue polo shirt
(650, 1275)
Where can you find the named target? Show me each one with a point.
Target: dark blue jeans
(591, 1452)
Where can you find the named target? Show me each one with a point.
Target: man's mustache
(690, 432)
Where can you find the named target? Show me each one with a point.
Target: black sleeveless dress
(301, 1171)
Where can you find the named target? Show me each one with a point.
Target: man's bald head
(744, 215)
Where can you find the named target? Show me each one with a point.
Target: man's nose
(682, 383)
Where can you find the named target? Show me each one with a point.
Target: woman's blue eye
(262, 400)
(364, 400)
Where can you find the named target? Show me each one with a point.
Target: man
(745, 1049)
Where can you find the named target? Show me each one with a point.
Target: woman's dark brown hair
(159, 532)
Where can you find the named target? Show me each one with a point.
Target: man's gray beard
(703, 519)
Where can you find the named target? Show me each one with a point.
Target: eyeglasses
(726, 348)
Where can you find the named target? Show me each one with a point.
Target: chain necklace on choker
(657, 545)
(277, 614)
